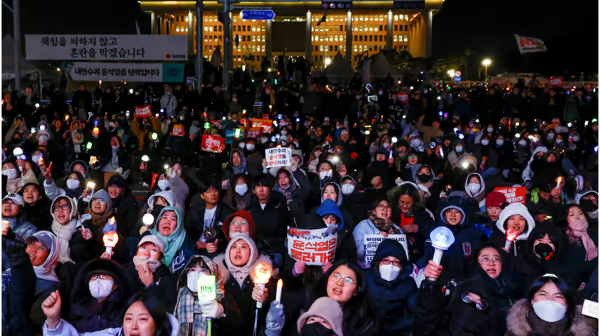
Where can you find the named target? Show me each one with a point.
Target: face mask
(242, 145)
(389, 272)
(544, 251)
(36, 158)
(43, 138)
(11, 173)
(485, 142)
(474, 187)
(324, 174)
(163, 184)
(587, 205)
(459, 149)
(576, 138)
(142, 260)
(347, 189)
(523, 143)
(490, 129)
(250, 147)
(284, 133)
(101, 288)
(241, 189)
(315, 329)
(72, 184)
(559, 141)
(386, 145)
(263, 140)
(424, 178)
(181, 117)
(192, 280)
(415, 143)
(549, 311)
(499, 142)
(234, 235)
(115, 147)
(550, 136)
(536, 139)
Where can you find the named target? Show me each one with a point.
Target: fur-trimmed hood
(518, 325)
(220, 261)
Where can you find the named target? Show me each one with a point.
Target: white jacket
(169, 103)
(64, 328)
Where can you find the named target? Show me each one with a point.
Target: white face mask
(576, 138)
(459, 149)
(389, 272)
(263, 140)
(386, 145)
(241, 189)
(324, 174)
(485, 142)
(550, 136)
(536, 139)
(523, 143)
(490, 129)
(549, 311)
(348, 188)
(250, 147)
(43, 138)
(242, 145)
(559, 141)
(72, 184)
(234, 100)
(415, 143)
(283, 133)
(474, 187)
(181, 117)
(36, 158)
(499, 142)
(11, 173)
(101, 288)
(192, 280)
(163, 184)
(115, 147)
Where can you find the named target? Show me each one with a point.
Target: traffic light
(336, 4)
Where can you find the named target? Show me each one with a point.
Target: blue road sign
(257, 14)
(457, 79)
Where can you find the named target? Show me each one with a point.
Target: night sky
(569, 28)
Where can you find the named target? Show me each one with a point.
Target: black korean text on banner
(372, 242)
(530, 44)
(312, 247)
(106, 47)
(278, 157)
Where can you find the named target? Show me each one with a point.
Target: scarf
(99, 220)
(241, 169)
(189, 315)
(175, 240)
(152, 263)
(385, 225)
(64, 234)
(577, 233)
(287, 192)
(240, 273)
(325, 181)
(46, 270)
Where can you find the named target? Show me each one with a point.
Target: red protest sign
(178, 130)
(588, 87)
(403, 97)
(143, 112)
(313, 247)
(254, 132)
(244, 122)
(513, 194)
(265, 124)
(216, 123)
(556, 81)
(212, 143)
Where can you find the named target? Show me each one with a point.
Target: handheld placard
(207, 292)
(441, 239)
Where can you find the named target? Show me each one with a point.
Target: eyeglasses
(383, 207)
(153, 251)
(99, 276)
(388, 261)
(64, 207)
(239, 223)
(488, 260)
(347, 280)
(99, 200)
(412, 156)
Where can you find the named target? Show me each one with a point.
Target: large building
(317, 30)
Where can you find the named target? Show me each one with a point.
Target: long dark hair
(358, 309)
(564, 224)
(157, 310)
(566, 291)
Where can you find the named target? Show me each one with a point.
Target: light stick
(441, 239)
(110, 239)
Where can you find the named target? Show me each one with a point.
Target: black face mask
(544, 251)
(316, 329)
(587, 205)
(424, 178)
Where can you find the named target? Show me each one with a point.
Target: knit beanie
(327, 309)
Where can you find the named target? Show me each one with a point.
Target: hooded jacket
(86, 314)
(179, 247)
(37, 214)
(65, 232)
(498, 237)
(479, 195)
(392, 300)
(345, 249)
(522, 321)
(126, 212)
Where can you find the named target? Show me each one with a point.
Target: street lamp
(485, 63)
(327, 61)
(451, 73)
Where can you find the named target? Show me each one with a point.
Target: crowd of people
(504, 178)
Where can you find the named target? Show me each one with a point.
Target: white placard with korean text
(278, 157)
(106, 47)
(372, 242)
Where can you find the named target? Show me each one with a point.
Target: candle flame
(110, 239)
(280, 283)
(262, 273)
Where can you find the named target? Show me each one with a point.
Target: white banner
(278, 157)
(128, 72)
(106, 47)
(530, 44)
(373, 241)
(313, 247)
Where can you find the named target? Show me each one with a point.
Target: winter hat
(154, 240)
(495, 199)
(244, 214)
(167, 195)
(516, 209)
(103, 195)
(327, 309)
(117, 180)
(15, 198)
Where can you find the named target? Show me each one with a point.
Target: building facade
(301, 28)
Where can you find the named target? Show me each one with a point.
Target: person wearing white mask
(100, 291)
(14, 178)
(548, 309)
(391, 286)
(475, 189)
(74, 185)
(193, 314)
(237, 196)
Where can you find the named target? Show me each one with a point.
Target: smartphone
(372, 98)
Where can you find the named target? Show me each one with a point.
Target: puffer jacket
(522, 321)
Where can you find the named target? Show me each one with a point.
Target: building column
(199, 38)
(411, 41)
(418, 39)
(389, 38)
(160, 22)
(308, 41)
(152, 23)
(269, 44)
(190, 35)
(168, 26)
(429, 34)
(349, 51)
(423, 35)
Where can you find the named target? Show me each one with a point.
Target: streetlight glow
(451, 73)
(486, 62)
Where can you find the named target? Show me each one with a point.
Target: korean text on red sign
(514, 194)
(143, 112)
(278, 157)
(178, 130)
(212, 143)
(313, 247)
(266, 124)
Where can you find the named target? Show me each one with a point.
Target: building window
(370, 37)
(243, 38)
(341, 27)
(405, 38)
(234, 28)
(400, 27)
(243, 28)
(215, 28)
(380, 37)
(316, 48)
(248, 28)
(330, 48)
(380, 27)
(395, 27)
(405, 27)
(220, 27)
(355, 38)
(335, 48)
